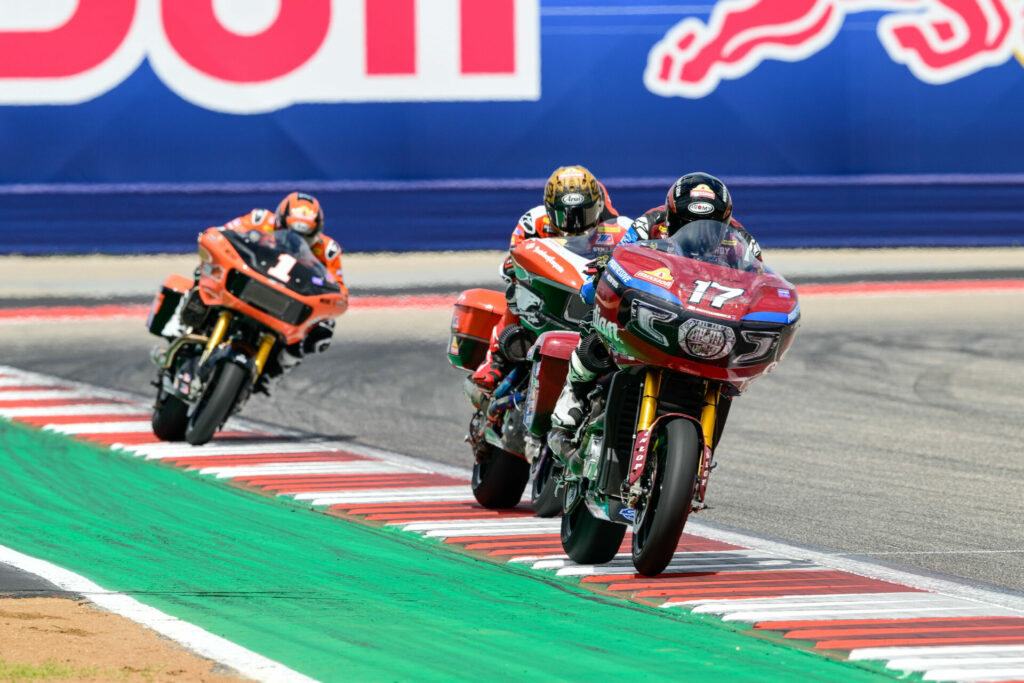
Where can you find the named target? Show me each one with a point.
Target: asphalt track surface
(891, 431)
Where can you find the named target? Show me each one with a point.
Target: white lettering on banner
(247, 57)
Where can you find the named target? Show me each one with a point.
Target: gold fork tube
(709, 414)
(219, 330)
(649, 402)
(262, 353)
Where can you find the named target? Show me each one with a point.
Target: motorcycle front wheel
(585, 538)
(215, 404)
(170, 418)
(673, 472)
(499, 479)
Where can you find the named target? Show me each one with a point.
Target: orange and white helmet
(301, 213)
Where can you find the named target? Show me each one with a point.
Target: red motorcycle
(506, 436)
(689, 323)
(254, 293)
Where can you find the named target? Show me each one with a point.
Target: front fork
(708, 419)
(220, 330)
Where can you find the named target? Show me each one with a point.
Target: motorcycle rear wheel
(215, 405)
(659, 525)
(500, 479)
(587, 539)
(170, 418)
(545, 501)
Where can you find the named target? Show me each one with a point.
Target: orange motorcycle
(253, 294)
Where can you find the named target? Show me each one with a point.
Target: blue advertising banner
(129, 125)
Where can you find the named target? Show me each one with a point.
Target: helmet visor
(573, 220)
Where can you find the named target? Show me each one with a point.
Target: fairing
(705, 307)
(269, 277)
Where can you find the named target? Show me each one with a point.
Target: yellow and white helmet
(573, 200)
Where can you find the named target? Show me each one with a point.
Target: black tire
(216, 404)
(170, 418)
(500, 479)
(587, 539)
(545, 501)
(659, 525)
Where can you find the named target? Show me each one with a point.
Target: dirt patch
(57, 639)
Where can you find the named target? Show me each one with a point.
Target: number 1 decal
(701, 287)
(283, 268)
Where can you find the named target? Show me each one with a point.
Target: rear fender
(475, 315)
(549, 356)
(166, 302)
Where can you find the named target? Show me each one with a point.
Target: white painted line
(202, 642)
(483, 528)
(43, 395)
(132, 427)
(531, 559)
(256, 446)
(969, 675)
(922, 663)
(1014, 602)
(411, 462)
(6, 381)
(295, 469)
(926, 651)
(82, 409)
(895, 612)
(431, 494)
(838, 599)
(689, 563)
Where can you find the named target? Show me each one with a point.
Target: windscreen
(266, 253)
(711, 242)
(589, 245)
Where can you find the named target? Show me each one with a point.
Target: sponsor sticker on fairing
(785, 293)
(659, 276)
(629, 514)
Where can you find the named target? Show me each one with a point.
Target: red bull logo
(938, 40)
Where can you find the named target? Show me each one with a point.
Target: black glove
(597, 266)
(319, 338)
(508, 271)
(586, 326)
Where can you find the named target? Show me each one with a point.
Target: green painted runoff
(338, 600)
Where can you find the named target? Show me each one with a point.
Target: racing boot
(565, 421)
(568, 414)
(487, 375)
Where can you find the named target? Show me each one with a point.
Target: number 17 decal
(701, 287)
